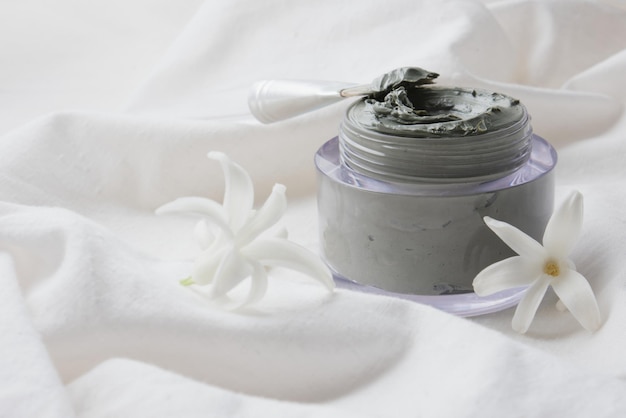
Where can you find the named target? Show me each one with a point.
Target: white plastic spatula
(276, 100)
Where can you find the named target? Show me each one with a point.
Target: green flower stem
(187, 281)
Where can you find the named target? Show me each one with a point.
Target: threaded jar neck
(450, 135)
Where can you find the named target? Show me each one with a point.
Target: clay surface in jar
(405, 102)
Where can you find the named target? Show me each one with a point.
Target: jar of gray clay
(404, 187)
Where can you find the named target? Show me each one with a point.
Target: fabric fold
(93, 319)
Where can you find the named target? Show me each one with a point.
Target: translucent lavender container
(403, 214)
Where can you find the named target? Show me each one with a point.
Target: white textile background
(107, 111)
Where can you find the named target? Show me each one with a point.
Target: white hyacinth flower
(540, 266)
(237, 251)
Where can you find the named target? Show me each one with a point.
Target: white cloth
(108, 111)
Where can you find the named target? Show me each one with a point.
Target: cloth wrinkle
(99, 130)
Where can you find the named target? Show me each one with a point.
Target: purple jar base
(463, 304)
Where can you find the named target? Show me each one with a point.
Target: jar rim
(422, 158)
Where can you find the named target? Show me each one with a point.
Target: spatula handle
(276, 100)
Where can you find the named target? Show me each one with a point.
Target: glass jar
(401, 208)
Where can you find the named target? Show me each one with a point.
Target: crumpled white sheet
(93, 322)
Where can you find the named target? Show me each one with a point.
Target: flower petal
(576, 294)
(198, 205)
(506, 274)
(206, 266)
(238, 190)
(233, 269)
(258, 284)
(283, 253)
(564, 226)
(527, 307)
(272, 210)
(203, 234)
(519, 242)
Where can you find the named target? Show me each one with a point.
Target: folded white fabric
(560, 58)
(93, 321)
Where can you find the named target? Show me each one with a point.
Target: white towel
(107, 111)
